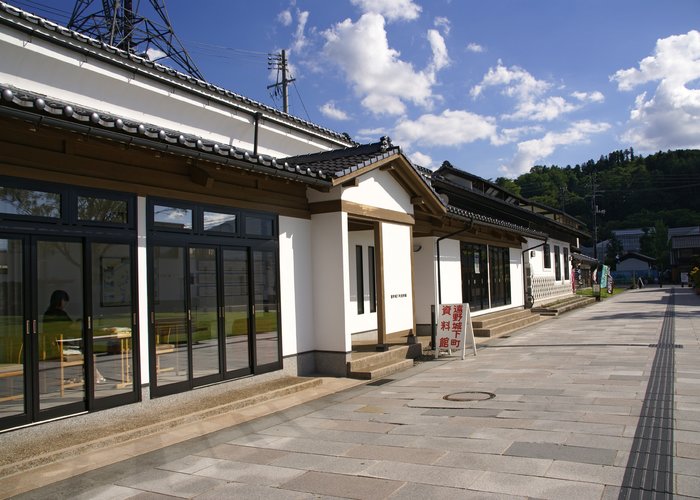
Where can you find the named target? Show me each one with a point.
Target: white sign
(454, 328)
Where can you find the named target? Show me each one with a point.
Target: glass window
(547, 257)
(94, 209)
(557, 263)
(259, 226)
(566, 263)
(360, 282)
(30, 203)
(165, 217)
(220, 222)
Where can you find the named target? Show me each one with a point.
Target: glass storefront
(67, 313)
(214, 301)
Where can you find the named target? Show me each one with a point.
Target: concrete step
(557, 308)
(508, 326)
(367, 366)
(381, 369)
(497, 318)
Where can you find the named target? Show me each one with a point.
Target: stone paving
(552, 411)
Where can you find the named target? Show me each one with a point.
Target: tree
(613, 252)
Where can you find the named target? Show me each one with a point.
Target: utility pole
(596, 211)
(279, 62)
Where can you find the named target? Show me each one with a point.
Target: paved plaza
(602, 402)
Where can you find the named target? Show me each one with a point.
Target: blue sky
(494, 86)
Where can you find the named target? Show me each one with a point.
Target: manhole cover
(470, 396)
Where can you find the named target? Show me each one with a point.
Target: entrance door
(64, 348)
(59, 352)
(15, 332)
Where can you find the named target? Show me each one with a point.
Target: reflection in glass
(112, 320)
(172, 217)
(236, 306)
(170, 309)
(258, 226)
(11, 330)
(266, 320)
(15, 201)
(220, 222)
(95, 209)
(60, 297)
(205, 338)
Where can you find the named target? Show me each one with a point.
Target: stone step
(494, 319)
(558, 308)
(393, 355)
(381, 369)
(507, 327)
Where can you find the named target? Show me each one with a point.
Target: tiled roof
(195, 84)
(341, 162)
(492, 221)
(66, 115)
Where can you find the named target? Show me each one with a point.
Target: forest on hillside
(629, 190)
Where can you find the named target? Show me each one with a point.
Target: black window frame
(547, 255)
(360, 279)
(567, 275)
(69, 206)
(557, 263)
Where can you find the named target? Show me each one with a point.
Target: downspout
(256, 121)
(529, 299)
(439, 279)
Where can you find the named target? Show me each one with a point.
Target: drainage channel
(650, 465)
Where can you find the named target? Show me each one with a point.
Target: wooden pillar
(381, 306)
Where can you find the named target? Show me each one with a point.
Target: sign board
(454, 328)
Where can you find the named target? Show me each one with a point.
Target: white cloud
(444, 23)
(589, 96)
(392, 10)
(299, 38)
(534, 150)
(421, 159)
(475, 47)
(450, 128)
(670, 118)
(531, 101)
(511, 135)
(375, 70)
(440, 57)
(543, 110)
(518, 83)
(370, 134)
(284, 18)
(155, 54)
(329, 110)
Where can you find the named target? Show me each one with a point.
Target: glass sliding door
(236, 311)
(204, 312)
(14, 329)
(112, 313)
(266, 317)
(169, 316)
(474, 276)
(61, 344)
(500, 276)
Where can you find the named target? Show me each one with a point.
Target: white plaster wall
(424, 272)
(398, 292)
(368, 320)
(142, 283)
(517, 285)
(330, 272)
(379, 189)
(450, 272)
(33, 64)
(296, 285)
